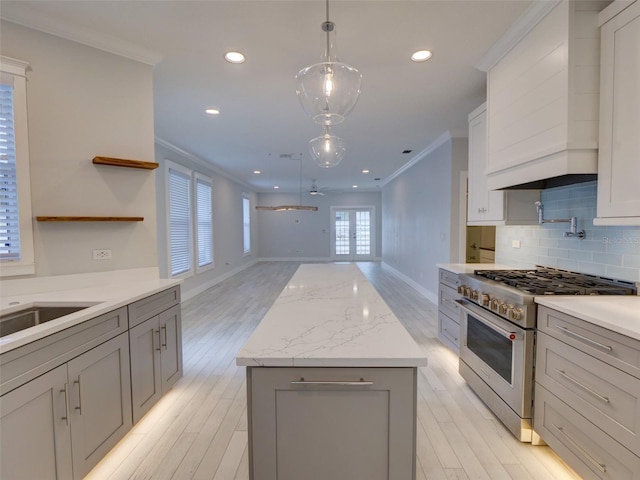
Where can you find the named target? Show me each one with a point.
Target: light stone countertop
(103, 292)
(617, 313)
(468, 268)
(329, 315)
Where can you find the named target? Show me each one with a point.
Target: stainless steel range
(498, 333)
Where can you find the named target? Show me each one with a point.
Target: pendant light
(327, 150)
(329, 90)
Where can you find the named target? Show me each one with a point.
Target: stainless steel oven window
(493, 348)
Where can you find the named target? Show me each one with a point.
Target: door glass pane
(491, 347)
(363, 233)
(342, 233)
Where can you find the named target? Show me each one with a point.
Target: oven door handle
(478, 315)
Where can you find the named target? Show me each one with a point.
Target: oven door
(499, 352)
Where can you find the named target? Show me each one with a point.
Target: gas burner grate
(557, 282)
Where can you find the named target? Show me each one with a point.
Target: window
(204, 233)
(190, 221)
(246, 223)
(16, 235)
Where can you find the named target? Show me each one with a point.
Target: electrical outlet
(515, 244)
(102, 255)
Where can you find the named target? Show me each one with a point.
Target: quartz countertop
(329, 315)
(620, 314)
(471, 267)
(101, 292)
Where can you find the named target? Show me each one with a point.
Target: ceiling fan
(314, 188)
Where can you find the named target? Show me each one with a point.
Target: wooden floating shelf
(122, 162)
(89, 219)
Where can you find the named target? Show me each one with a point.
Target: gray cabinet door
(100, 402)
(145, 348)
(332, 429)
(35, 437)
(171, 343)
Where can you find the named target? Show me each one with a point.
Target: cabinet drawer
(588, 450)
(448, 278)
(447, 297)
(153, 305)
(605, 395)
(449, 331)
(611, 347)
(27, 362)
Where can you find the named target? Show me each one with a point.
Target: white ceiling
(403, 105)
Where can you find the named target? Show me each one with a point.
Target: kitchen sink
(30, 317)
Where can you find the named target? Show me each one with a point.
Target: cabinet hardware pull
(158, 348)
(164, 327)
(600, 466)
(583, 386)
(66, 404)
(362, 382)
(79, 407)
(586, 339)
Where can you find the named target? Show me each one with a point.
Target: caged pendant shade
(327, 150)
(329, 90)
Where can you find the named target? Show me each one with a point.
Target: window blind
(180, 222)
(246, 224)
(205, 227)
(9, 214)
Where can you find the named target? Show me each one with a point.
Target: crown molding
(30, 17)
(521, 27)
(199, 161)
(441, 140)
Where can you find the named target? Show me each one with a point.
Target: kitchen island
(331, 382)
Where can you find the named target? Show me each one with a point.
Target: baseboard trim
(192, 292)
(432, 297)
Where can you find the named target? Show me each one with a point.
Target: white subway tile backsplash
(608, 251)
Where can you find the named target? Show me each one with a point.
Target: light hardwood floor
(199, 429)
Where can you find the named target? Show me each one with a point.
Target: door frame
(332, 236)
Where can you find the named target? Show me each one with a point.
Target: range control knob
(493, 305)
(461, 289)
(515, 313)
(466, 291)
(503, 307)
(484, 299)
(474, 295)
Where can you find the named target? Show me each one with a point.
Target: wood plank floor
(199, 429)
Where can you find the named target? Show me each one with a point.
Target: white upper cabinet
(619, 157)
(543, 96)
(492, 207)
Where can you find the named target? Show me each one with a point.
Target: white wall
(228, 246)
(82, 103)
(306, 235)
(420, 210)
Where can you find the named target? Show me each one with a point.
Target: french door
(352, 233)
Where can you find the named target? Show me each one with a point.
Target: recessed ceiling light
(354, 186)
(212, 111)
(257, 172)
(234, 57)
(276, 187)
(421, 55)
(365, 171)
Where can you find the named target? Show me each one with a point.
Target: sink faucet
(573, 221)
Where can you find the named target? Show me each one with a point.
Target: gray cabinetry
(62, 423)
(36, 436)
(99, 402)
(587, 401)
(449, 310)
(156, 350)
(320, 423)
